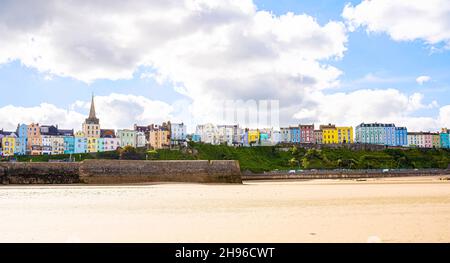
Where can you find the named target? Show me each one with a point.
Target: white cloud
(374, 78)
(43, 114)
(444, 116)
(114, 111)
(422, 79)
(389, 105)
(207, 49)
(403, 20)
(122, 111)
(213, 49)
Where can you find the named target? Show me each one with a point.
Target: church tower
(91, 126)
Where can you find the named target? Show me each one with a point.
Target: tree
(294, 150)
(305, 163)
(339, 163)
(129, 153)
(293, 162)
(152, 155)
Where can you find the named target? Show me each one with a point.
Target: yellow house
(253, 136)
(334, 135)
(159, 138)
(329, 134)
(92, 144)
(9, 145)
(344, 134)
(79, 134)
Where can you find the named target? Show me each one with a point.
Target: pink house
(420, 139)
(427, 139)
(307, 134)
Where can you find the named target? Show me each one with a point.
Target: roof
(8, 133)
(420, 133)
(107, 133)
(65, 132)
(141, 128)
(376, 124)
(329, 126)
(49, 130)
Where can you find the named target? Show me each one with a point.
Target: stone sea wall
(120, 172)
(348, 174)
(39, 173)
(113, 171)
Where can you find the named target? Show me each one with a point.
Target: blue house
(401, 136)
(21, 140)
(295, 134)
(80, 145)
(445, 140)
(196, 138)
(69, 144)
(390, 132)
(244, 138)
(100, 144)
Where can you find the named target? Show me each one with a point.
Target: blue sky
(399, 63)
(372, 60)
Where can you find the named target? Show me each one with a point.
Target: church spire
(92, 118)
(92, 111)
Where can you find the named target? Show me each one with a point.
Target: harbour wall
(347, 174)
(121, 172)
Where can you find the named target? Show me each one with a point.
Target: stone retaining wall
(120, 171)
(39, 173)
(112, 171)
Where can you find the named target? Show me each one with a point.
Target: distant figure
(374, 239)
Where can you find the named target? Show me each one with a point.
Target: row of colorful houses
(35, 139)
(49, 140)
(365, 133)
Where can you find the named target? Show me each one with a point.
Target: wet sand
(413, 209)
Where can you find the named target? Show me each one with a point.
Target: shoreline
(321, 181)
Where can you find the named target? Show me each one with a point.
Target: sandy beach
(412, 209)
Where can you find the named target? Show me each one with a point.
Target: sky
(325, 61)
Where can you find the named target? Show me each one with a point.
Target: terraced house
(420, 139)
(178, 132)
(34, 143)
(331, 134)
(8, 143)
(307, 133)
(229, 134)
(444, 137)
(295, 134)
(285, 134)
(127, 137)
(381, 133)
(159, 136)
(21, 140)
